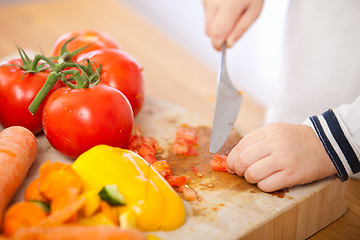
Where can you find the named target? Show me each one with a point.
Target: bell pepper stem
(50, 82)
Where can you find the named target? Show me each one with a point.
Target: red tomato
(121, 71)
(95, 40)
(75, 120)
(218, 163)
(17, 92)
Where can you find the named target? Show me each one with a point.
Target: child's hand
(227, 20)
(280, 155)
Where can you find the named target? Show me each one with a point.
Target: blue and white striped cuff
(336, 144)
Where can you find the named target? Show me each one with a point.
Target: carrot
(18, 148)
(64, 199)
(56, 177)
(32, 192)
(20, 215)
(109, 212)
(76, 232)
(61, 216)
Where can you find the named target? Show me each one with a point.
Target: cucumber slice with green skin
(111, 194)
(44, 206)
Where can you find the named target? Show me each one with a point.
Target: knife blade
(228, 101)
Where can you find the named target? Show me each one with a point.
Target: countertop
(171, 72)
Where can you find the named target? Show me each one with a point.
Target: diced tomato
(145, 150)
(137, 130)
(218, 163)
(189, 193)
(189, 135)
(149, 158)
(196, 171)
(163, 167)
(176, 181)
(181, 147)
(151, 142)
(135, 143)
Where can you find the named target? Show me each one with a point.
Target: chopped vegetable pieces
(111, 194)
(218, 163)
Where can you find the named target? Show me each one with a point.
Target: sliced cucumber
(44, 206)
(111, 194)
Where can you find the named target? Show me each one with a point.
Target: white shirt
(321, 70)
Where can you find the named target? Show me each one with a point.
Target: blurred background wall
(254, 61)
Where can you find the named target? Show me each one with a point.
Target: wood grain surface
(171, 73)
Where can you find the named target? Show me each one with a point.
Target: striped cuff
(336, 144)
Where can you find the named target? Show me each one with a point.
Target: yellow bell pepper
(154, 202)
(92, 203)
(97, 219)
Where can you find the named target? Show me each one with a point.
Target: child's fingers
(274, 182)
(225, 19)
(210, 11)
(243, 144)
(262, 169)
(249, 156)
(245, 21)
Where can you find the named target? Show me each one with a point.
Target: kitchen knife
(228, 101)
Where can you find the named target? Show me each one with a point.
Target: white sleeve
(339, 131)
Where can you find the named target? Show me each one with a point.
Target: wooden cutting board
(228, 207)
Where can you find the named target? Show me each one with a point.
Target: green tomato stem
(47, 60)
(64, 65)
(77, 76)
(50, 82)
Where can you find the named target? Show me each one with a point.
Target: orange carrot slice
(65, 198)
(109, 211)
(56, 177)
(32, 192)
(61, 216)
(20, 215)
(18, 148)
(75, 232)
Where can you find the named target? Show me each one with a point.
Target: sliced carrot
(32, 192)
(76, 232)
(109, 211)
(66, 197)
(20, 215)
(18, 148)
(59, 217)
(56, 177)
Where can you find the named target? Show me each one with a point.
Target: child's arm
(284, 155)
(227, 20)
